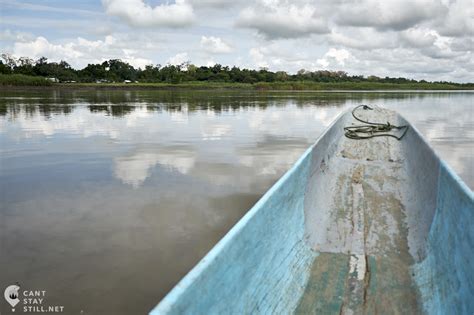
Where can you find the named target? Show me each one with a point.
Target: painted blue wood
(262, 265)
(422, 165)
(446, 276)
(442, 230)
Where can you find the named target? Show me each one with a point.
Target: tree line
(116, 70)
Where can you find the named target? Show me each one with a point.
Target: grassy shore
(358, 86)
(273, 86)
(34, 81)
(23, 80)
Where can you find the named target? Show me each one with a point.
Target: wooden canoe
(376, 226)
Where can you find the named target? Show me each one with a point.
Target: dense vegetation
(117, 71)
(23, 80)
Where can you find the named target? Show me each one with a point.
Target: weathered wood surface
(355, 219)
(375, 226)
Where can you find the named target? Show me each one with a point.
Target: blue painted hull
(397, 234)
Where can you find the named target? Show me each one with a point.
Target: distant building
(127, 81)
(55, 80)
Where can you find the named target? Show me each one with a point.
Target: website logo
(11, 294)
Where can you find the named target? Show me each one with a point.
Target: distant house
(55, 80)
(127, 81)
(102, 81)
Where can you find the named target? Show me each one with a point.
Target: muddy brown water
(108, 198)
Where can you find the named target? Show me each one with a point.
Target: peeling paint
(355, 227)
(357, 266)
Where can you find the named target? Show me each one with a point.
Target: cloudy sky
(421, 39)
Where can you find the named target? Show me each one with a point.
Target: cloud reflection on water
(236, 123)
(135, 169)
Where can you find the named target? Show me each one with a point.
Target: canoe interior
(356, 226)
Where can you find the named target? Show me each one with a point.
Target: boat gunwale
(226, 240)
(212, 255)
(442, 162)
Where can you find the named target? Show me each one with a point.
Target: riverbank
(14, 80)
(263, 86)
(18, 81)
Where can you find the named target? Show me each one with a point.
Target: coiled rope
(371, 129)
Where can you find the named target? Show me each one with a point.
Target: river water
(108, 198)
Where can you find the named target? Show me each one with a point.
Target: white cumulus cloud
(178, 59)
(335, 57)
(389, 14)
(362, 38)
(416, 37)
(138, 13)
(281, 19)
(42, 47)
(80, 52)
(258, 58)
(459, 21)
(215, 45)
